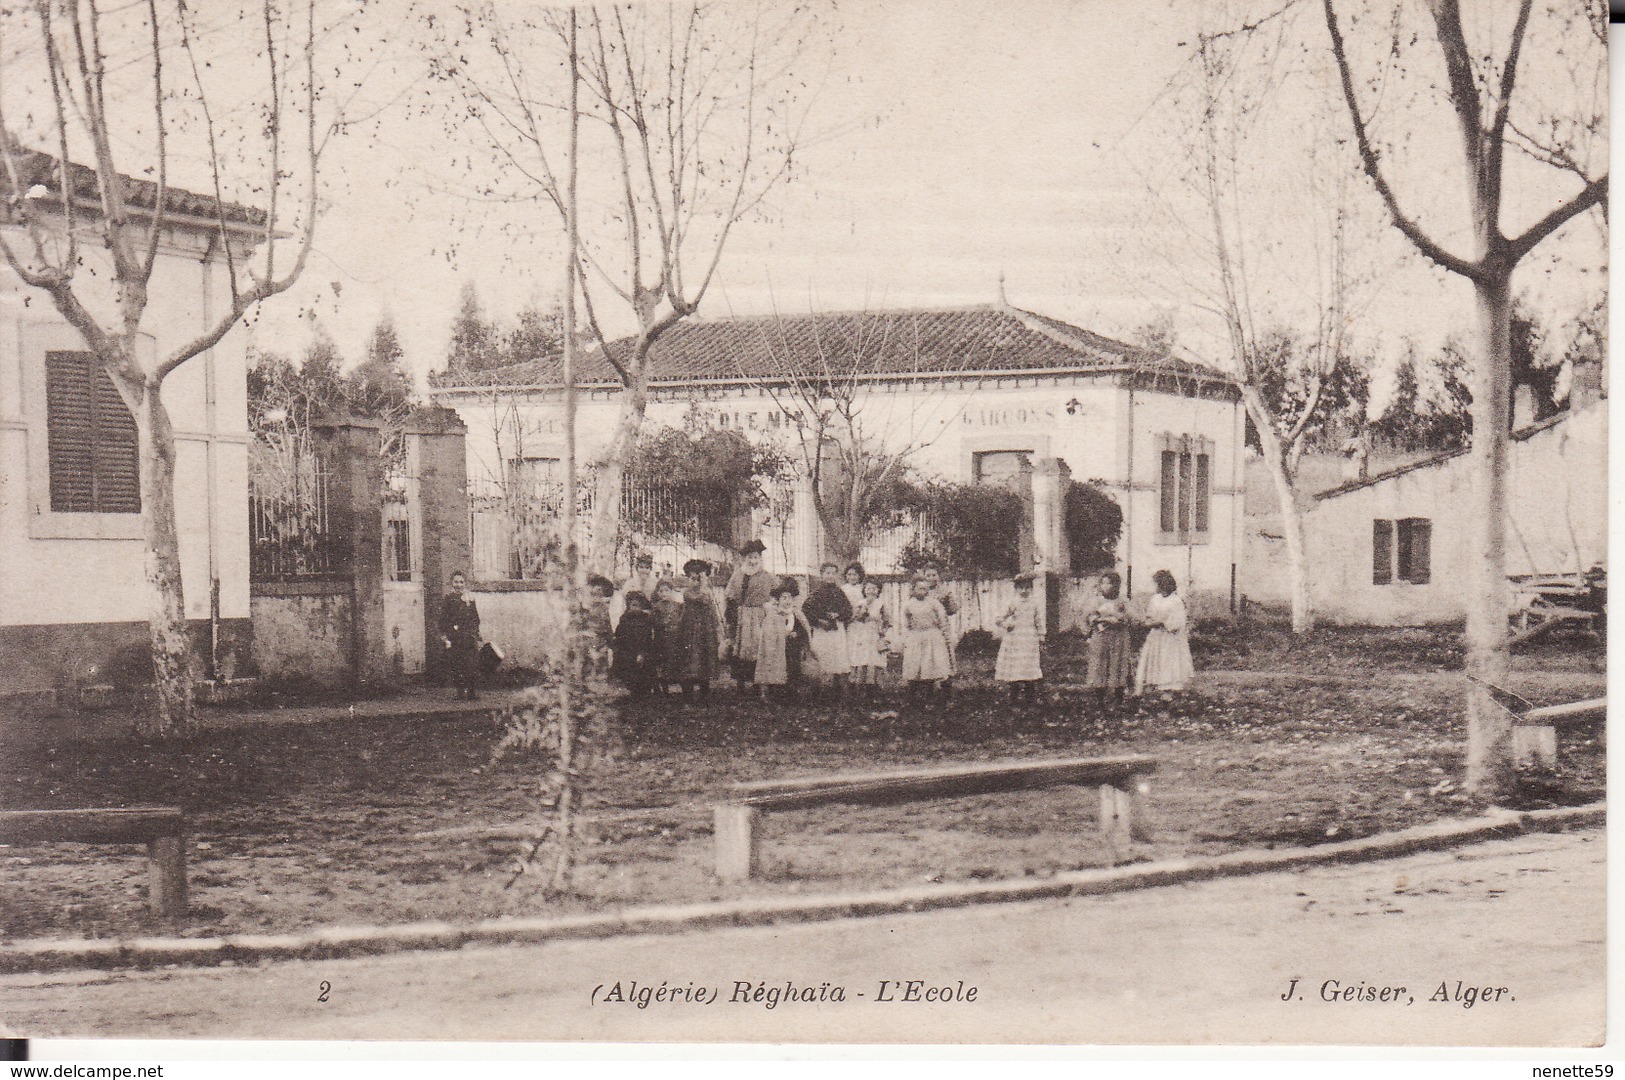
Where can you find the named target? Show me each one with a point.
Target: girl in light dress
(1019, 653)
(1110, 650)
(925, 640)
(780, 621)
(1165, 660)
(863, 635)
(828, 610)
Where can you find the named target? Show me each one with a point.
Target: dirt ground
(377, 821)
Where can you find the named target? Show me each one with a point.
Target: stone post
(1051, 552)
(355, 514)
(443, 502)
(1026, 537)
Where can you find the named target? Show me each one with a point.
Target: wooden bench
(1534, 733)
(1122, 790)
(161, 828)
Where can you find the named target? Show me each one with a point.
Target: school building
(987, 393)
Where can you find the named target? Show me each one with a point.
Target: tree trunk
(1286, 494)
(843, 545)
(1489, 727)
(173, 666)
(611, 478)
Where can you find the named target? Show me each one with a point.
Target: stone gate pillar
(354, 506)
(1051, 552)
(443, 498)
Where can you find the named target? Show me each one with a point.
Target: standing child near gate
(460, 633)
(1110, 651)
(1165, 659)
(596, 628)
(697, 630)
(925, 640)
(668, 653)
(863, 638)
(781, 622)
(1023, 625)
(635, 666)
(829, 612)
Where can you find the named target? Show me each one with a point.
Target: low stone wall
(303, 632)
(525, 619)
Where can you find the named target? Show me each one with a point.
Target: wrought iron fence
(290, 527)
(515, 527)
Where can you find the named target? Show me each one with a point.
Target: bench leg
(1536, 745)
(735, 842)
(166, 891)
(1122, 813)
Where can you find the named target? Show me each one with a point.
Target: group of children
(671, 634)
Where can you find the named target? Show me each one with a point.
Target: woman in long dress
(749, 592)
(1019, 653)
(1165, 660)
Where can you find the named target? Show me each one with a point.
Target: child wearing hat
(781, 623)
(1019, 653)
(697, 630)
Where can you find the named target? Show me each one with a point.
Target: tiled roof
(1440, 458)
(35, 167)
(987, 338)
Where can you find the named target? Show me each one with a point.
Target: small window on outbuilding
(92, 446)
(1402, 551)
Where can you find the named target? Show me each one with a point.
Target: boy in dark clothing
(460, 634)
(635, 662)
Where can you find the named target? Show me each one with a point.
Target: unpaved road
(1197, 963)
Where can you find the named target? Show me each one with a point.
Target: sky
(952, 145)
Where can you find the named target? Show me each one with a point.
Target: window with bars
(1401, 550)
(1185, 500)
(398, 549)
(92, 447)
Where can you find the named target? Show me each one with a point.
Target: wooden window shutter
(1417, 535)
(1402, 564)
(1204, 492)
(1382, 552)
(1185, 480)
(1170, 491)
(118, 449)
(70, 440)
(92, 446)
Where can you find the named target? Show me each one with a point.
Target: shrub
(1093, 523)
(977, 643)
(972, 530)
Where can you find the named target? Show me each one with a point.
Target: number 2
(326, 987)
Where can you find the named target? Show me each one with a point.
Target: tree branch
(1372, 163)
(1594, 195)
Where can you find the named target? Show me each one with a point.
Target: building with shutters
(988, 393)
(1392, 548)
(73, 594)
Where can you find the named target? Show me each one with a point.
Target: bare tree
(1493, 112)
(1254, 267)
(691, 114)
(852, 445)
(118, 79)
